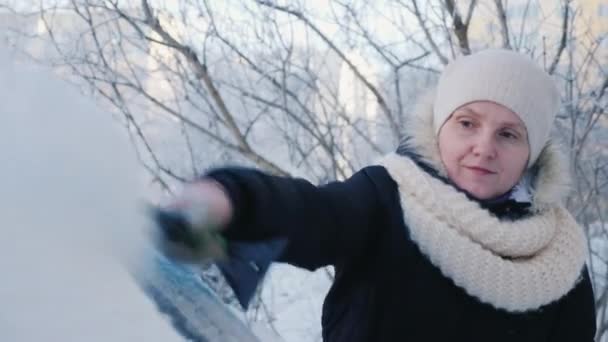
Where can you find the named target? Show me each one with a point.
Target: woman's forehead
(492, 111)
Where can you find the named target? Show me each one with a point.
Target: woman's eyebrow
(510, 124)
(514, 125)
(467, 111)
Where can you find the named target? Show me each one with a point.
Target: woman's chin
(481, 192)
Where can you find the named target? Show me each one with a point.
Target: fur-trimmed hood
(549, 179)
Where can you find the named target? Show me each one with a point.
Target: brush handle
(186, 236)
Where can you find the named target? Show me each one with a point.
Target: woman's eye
(508, 135)
(466, 124)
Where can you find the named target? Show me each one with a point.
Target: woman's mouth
(480, 170)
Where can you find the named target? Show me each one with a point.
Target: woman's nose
(484, 146)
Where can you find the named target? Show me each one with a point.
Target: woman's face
(484, 148)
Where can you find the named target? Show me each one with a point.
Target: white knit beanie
(504, 77)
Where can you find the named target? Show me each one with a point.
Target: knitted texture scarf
(515, 265)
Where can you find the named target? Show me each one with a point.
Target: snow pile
(295, 298)
(69, 207)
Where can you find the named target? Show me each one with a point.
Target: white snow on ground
(599, 251)
(296, 298)
(69, 207)
(598, 233)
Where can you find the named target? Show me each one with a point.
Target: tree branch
(564, 36)
(201, 72)
(504, 26)
(460, 29)
(379, 98)
(442, 58)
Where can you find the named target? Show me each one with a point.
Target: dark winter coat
(385, 289)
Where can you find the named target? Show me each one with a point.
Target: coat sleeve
(576, 316)
(319, 223)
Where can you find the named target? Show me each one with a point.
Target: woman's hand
(189, 226)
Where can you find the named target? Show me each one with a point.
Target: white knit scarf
(515, 265)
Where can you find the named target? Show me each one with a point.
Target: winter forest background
(314, 89)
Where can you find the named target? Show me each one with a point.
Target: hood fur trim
(550, 174)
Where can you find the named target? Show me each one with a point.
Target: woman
(460, 235)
